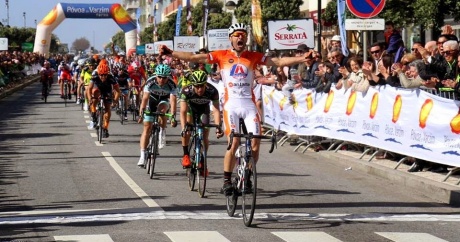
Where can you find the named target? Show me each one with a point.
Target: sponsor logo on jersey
(239, 71)
(231, 61)
(199, 100)
(160, 92)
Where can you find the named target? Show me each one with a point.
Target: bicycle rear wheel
(65, 94)
(121, 108)
(249, 192)
(201, 176)
(154, 151)
(148, 154)
(45, 92)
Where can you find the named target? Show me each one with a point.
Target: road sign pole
(365, 45)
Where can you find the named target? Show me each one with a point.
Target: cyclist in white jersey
(237, 70)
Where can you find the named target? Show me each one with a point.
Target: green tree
(17, 36)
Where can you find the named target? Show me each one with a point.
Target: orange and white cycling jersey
(237, 72)
(238, 77)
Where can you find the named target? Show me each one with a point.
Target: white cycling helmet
(237, 27)
(76, 58)
(81, 62)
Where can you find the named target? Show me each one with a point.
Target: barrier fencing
(423, 124)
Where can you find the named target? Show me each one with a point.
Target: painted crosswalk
(215, 236)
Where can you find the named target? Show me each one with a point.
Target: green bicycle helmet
(198, 77)
(163, 70)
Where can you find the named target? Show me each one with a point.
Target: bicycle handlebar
(272, 139)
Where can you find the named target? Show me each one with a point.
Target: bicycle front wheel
(65, 95)
(249, 192)
(191, 172)
(232, 201)
(121, 108)
(202, 171)
(100, 121)
(154, 151)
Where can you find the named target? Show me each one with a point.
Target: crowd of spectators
(433, 66)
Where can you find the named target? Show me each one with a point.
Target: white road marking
(97, 143)
(85, 238)
(305, 236)
(202, 236)
(65, 216)
(143, 195)
(94, 135)
(86, 116)
(87, 121)
(85, 112)
(408, 237)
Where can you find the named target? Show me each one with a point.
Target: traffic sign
(365, 8)
(365, 24)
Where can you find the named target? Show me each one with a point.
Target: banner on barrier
(405, 121)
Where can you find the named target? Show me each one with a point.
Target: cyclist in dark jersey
(159, 95)
(194, 103)
(122, 77)
(101, 86)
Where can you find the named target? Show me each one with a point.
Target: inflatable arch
(95, 11)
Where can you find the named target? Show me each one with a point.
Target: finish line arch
(89, 11)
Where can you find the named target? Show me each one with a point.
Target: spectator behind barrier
(353, 78)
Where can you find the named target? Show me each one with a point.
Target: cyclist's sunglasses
(200, 85)
(239, 34)
(162, 77)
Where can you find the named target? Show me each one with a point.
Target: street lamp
(7, 12)
(35, 21)
(230, 6)
(24, 16)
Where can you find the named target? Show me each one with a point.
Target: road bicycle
(121, 108)
(46, 88)
(133, 103)
(198, 154)
(67, 89)
(151, 153)
(245, 181)
(82, 96)
(100, 109)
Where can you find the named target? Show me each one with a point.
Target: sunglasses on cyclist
(200, 86)
(162, 77)
(239, 34)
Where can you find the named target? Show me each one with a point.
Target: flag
(189, 19)
(154, 7)
(341, 19)
(257, 22)
(138, 16)
(179, 13)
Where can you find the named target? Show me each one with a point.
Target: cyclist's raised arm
(288, 61)
(187, 56)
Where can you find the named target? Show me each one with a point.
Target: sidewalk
(20, 85)
(430, 183)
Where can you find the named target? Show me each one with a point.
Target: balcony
(172, 7)
(131, 4)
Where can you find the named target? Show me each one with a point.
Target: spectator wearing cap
(306, 70)
(336, 41)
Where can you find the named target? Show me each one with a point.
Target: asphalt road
(57, 184)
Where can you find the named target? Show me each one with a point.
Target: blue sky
(69, 29)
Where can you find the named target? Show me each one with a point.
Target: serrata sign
(288, 34)
(365, 8)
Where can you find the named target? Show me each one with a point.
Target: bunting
(178, 16)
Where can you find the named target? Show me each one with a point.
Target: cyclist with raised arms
(159, 95)
(194, 102)
(237, 70)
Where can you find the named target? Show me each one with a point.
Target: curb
(21, 86)
(441, 192)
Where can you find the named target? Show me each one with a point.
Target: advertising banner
(75, 10)
(140, 49)
(187, 43)
(218, 39)
(150, 48)
(288, 34)
(405, 121)
(168, 43)
(29, 47)
(3, 43)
